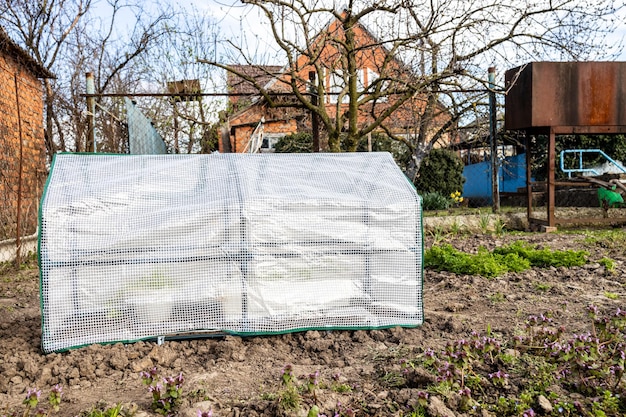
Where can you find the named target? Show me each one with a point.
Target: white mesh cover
(136, 247)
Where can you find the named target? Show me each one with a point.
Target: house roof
(262, 74)
(11, 48)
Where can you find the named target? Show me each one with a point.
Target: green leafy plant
(544, 257)
(484, 263)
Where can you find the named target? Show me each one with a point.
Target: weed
(499, 226)
(166, 393)
(32, 406)
(608, 239)
(542, 287)
(611, 295)
(438, 234)
(456, 228)
(484, 221)
(102, 410)
(608, 264)
(497, 297)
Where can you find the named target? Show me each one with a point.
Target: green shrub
(441, 171)
(435, 201)
(295, 143)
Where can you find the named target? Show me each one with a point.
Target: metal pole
(91, 113)
(495, 168)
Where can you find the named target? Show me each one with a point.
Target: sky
(235, 18)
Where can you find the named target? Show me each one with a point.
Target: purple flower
(32, 397)
(529, 413)
(205, 413)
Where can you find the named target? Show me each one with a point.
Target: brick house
(22, 150)
(249, 111)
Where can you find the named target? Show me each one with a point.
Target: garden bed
(366, 373)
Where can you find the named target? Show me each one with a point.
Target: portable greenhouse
(148, 246)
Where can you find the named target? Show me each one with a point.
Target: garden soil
(235, 376)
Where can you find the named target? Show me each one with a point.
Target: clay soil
(235, 376)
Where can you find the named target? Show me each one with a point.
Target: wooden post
(314, 122)
(91, 114)
(550, 187)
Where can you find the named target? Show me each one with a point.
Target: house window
(269, 141)
(336, 84)
(372, 76)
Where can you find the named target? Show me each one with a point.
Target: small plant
(456, 228)
(102, 410)
(496, 297)
(499, 226)
(484, 221)
(608, 264)
(539, 286)
(166, 393)
(339, 387)
(438, 234)
(32, 402)
(611, 295)
(289, 396)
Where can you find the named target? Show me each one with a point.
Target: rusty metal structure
(564, 98)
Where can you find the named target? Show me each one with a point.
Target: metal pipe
(495, 186)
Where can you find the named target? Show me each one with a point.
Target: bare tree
(72, 37)
(433, 71)
(185, 123)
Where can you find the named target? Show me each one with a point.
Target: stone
(544, 404)
(436, 408)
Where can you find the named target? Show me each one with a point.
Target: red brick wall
(22, 151)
